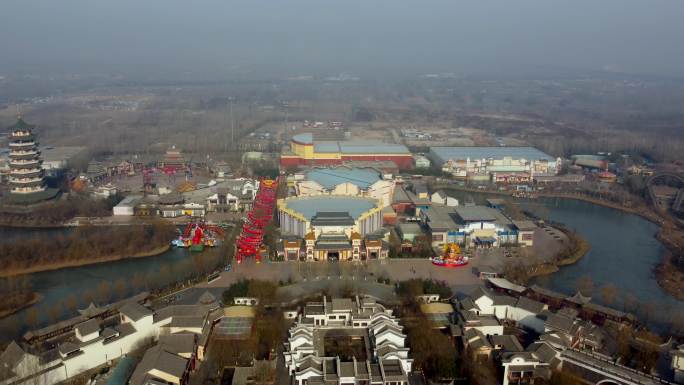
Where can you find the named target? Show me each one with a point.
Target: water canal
(623, 253)
(82, 282)
(624, 250)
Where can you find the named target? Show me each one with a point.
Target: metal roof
(503, 283)
(373, 148)
(475, 213)
(309, 206)
(444, 154)
(306, 138)
(331, 177)
(51, 154)
(324, 218)
(326, 147)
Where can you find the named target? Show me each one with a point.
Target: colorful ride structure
(250, 241)
(451, 257)
(198, 235)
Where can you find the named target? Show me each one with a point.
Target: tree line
(57, 212)
(86, 243)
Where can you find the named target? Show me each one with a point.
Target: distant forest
(563, 116)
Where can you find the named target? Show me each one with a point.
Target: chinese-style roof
(20, 125)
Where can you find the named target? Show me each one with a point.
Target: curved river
(624, 250)
(56, 286)
(623, 253)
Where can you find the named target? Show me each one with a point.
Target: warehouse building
(56, 159)
(503, 163)
(305, 151)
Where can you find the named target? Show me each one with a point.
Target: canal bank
(623, 253)
(668, 277)
(27, 251)
(580, 248)
(82, 262)
(624, 249)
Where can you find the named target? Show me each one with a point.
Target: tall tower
(26, 172)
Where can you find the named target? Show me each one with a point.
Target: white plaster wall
(485, 304)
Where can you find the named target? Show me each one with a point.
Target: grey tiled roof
(156, 358)
(135, 311)
(178, 343)
(559, 322)
(342, 304)
(508, 342)
(530, 305)
(88, 327)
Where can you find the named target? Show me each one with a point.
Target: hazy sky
(209, 39)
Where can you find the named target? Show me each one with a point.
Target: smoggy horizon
(217, 39)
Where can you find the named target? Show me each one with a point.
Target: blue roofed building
(333, 227)
(469, 226)
(500, 164)
(348, 181)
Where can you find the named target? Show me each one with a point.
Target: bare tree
(138, 281)
(585, 285)
(55, 312)
(121, 288)
(104, 292)
(32, 317)
(88, 297)
(629, 302)
(71, 303)
(609, 293)
(264, 372)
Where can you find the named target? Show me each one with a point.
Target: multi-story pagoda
(26, 172)
(173, 160)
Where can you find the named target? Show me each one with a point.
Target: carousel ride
(198, 235)
(451, 257)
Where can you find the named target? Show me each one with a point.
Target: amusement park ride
(249, 243)
(197, 235)
(451, 257)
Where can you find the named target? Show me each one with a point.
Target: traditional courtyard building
(347, 341)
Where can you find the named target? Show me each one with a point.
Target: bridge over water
(600, 369)
(660, 177)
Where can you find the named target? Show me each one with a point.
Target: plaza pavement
(312, 277)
